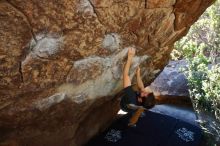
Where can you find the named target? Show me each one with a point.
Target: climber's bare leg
(135, 117)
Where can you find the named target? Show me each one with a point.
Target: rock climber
(135, 102)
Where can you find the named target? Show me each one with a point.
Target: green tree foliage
(201, 49)
(206, 31)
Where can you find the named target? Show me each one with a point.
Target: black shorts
(128, 98)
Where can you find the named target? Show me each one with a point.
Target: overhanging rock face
(61, 61)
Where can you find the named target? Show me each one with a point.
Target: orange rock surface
(61, 62)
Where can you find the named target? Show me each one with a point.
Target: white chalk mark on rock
(111, 42)
(46, 45)
(49, 101)
(106, 83)
(79, 98)
(85, 7)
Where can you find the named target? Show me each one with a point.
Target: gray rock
(171, 80)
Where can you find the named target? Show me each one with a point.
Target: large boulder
(171, 86)
(61, 62)
(171, 81)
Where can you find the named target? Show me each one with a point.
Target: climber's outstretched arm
(140, 83)
(126, 78)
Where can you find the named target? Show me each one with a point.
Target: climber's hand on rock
(131, 52)
(138, 70)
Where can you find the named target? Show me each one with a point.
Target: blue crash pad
(154, 129)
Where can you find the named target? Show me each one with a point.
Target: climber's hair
(149, 101)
